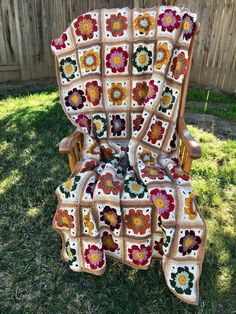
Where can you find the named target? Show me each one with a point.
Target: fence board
(27, 27)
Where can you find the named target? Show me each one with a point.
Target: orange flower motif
(63, 219)
(117, 93)
(179, 65)
(156, 132)
(137, 221)
(188, 209)
(108, 185)
(146, 157)
(152, 173)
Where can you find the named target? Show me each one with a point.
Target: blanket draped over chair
(120, 74)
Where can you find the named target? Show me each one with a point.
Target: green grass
(33, 279)
(211, 102)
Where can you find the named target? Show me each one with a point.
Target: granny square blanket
(120, 75)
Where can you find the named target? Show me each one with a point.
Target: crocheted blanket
(120, 74)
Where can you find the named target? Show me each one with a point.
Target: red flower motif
(152, 91)
(177, 172)
(88, 166)
(60, 42)
(108, 185)
(84, 121)
(137, 221)
(179, 65)
(108, 242)
(117, 24)
(63, 219)
(169, 20)
(140, 255)
(137, 123)
(111, 218)
(140, 92)
(152, 173)
(117, 60)
(85, 26)
(93, 92)
(158, 246)
(156, 132)
(163, 202)
(94, 256)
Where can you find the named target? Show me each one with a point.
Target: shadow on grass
(33, 277)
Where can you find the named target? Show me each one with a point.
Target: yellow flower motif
(189, 207)
(163, 55)
(146, 157)
(144, 23)
(90, 60)
(88, 223)
(117, 93)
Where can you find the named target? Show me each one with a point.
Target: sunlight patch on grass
(33, 212)
(10, 180)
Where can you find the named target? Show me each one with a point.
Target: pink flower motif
(163, 202)
(94, 256)
(117, 60)
(140, 255)
(60, 42)
(169, 20)
(152, 91)
(84, 121)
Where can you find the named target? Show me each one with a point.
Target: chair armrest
(67, 143)
(190, 144)
(189, 148)
(72, 145)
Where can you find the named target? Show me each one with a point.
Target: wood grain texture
(27, 27)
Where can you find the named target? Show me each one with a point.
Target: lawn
(33, 279)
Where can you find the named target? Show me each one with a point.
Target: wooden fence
(27, 27)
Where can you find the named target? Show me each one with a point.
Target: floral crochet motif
(137, 123)
(163, 202)
(111, 218)
(68, 68)
(85, 26)
(71, 253)
(90, 60)
(63, 219)
(93, 92)
(118, 125)
(189, 26)
(144, 23)
(140, 255)
(117, 94)
(163, 55)
(142, 58)
(117, 24)
(94, 256)
(156, 132)
(108, 185)
(108, 243)
(60, 42)
(169, 20)
(75, 99)
(182, 280)
(69, 186)
(140, 92)
(189, 242)
(152, 173)
(134, 188)
(137, 221)
(179, 65)
(188, 209)
(117, 60)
